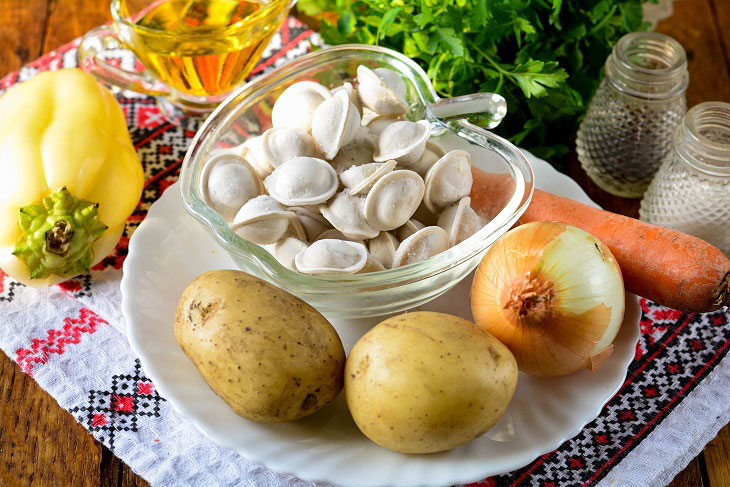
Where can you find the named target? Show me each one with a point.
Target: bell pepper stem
(58, 233)
(58, 238)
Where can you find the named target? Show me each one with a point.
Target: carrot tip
(722, 293)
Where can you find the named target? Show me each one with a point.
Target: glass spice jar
(627, 130)
(691, 190)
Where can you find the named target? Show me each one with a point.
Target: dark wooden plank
(110, 469)
(691, 476)
(115, 473)
(694, 27)
(721, 16)
(38, 440)
(22, 24)
(40, 443)
(717, 459)
(69, 19)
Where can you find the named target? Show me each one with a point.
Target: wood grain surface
(41, 444)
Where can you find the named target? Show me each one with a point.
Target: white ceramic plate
(170, 249)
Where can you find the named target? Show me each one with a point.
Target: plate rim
(273, 463)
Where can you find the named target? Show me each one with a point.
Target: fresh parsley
(544, 56)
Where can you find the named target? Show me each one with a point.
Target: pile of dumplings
(342, 183)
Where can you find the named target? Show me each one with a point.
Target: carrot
(669, 267)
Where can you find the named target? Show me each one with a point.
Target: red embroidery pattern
(575, 462)
(488, 482)
(603, 439)
(665, 314)
(56, 340)
(70, 286)
(116, 258)
(99, 420)
(150, 117)
(651, 391)
(129, 399)
(7, 288)
(124, 404)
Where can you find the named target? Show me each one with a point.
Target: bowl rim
(258, 257)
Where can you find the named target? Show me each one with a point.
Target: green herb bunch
(544, 56)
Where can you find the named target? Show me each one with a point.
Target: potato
(426, 382)
(269, 355)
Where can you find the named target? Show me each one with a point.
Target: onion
(553, 294)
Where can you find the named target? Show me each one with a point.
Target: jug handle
(104, 39)
(482, 109)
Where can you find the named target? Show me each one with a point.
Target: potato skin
(426, 382)
(269, 355)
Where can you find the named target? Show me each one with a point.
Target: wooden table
(41, 444)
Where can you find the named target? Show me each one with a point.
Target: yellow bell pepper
(69, 176)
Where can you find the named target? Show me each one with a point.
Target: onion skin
(553, 294)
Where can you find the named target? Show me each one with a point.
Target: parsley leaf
(534, 77)
(448, 39)
(387, 21)
(544, 56)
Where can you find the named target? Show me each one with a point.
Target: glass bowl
(247, 113)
